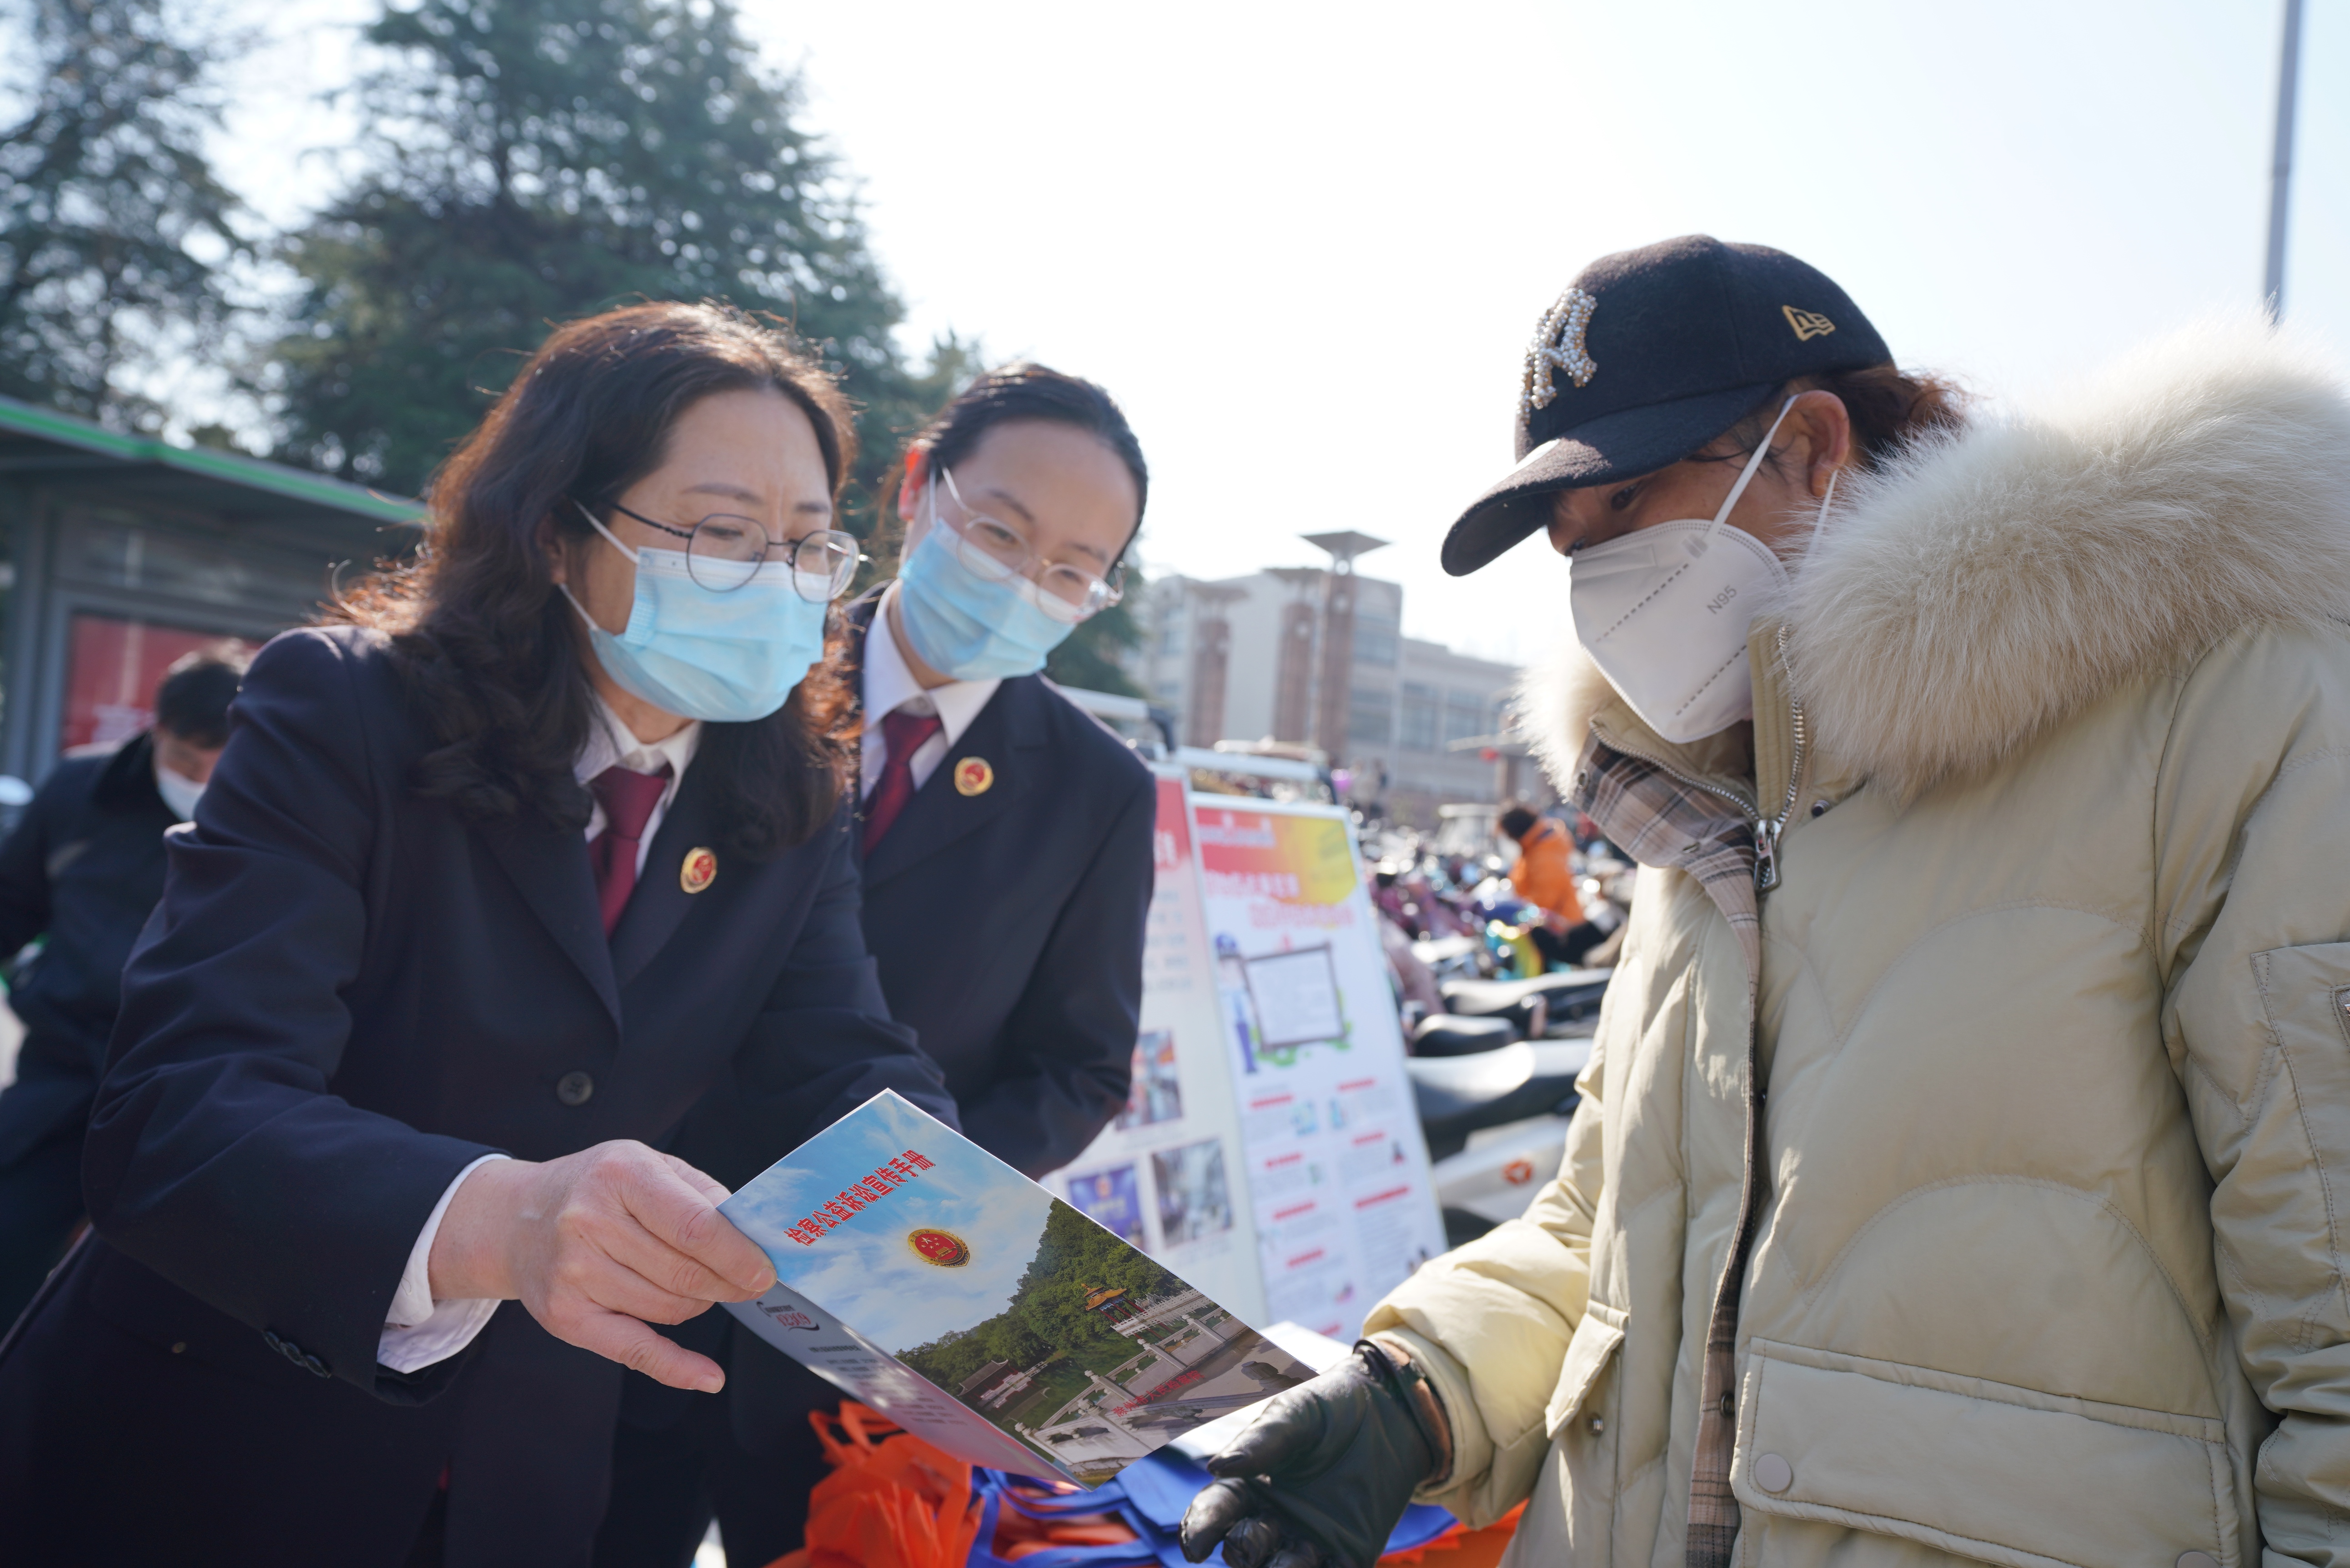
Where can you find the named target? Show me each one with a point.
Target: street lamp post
(2281, 171)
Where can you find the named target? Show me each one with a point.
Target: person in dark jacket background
(1007, 872)
(84, 867)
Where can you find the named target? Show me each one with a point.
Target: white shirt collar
(889, 685)
(609, 741)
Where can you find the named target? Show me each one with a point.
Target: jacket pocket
(1980, 1468)
(1588, 1355)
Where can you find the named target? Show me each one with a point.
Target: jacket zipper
(1767, 831)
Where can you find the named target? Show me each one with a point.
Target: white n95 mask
(1664, 613)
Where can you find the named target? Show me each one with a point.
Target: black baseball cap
(1650, 355)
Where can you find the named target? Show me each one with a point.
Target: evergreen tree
(113, 230)
(527, 161)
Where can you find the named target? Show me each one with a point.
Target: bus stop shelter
(119, 554)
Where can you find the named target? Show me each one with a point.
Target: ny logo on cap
(1558, 345)
(1809, 323)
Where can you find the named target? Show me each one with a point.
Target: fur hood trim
(1987, 586)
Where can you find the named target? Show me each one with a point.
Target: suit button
(1773, 1473)
(2198, 1559)
(573, 1088)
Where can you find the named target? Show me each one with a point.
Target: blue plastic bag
(1150, 1495)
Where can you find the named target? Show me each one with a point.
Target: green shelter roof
(37, 442)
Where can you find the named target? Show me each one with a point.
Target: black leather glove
(1320, 1478)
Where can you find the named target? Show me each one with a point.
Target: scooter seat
(1457, 1095)
(1571, 996)
(1447, 1034)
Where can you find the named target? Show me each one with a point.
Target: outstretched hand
(596, 1245)
(1321, 1477)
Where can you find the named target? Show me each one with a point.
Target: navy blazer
(348, 994)
(84, 865)
(1008, 927)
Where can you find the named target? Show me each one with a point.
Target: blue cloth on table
(1151, 1496)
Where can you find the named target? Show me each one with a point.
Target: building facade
(1253, 658)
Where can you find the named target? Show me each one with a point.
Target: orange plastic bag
(1461, 1547)
(898, 1504)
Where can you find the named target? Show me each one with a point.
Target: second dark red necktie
(902, 734)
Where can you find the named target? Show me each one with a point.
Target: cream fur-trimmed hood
(1988, 585)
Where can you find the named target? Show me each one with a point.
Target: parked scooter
(1495, 1123)
(1565, 1002)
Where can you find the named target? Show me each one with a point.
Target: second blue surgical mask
(729, 657)
(968, 626)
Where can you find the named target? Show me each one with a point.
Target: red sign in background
(111, 668)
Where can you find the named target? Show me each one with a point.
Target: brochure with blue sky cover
(929, 1280)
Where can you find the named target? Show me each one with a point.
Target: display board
(1269, 1150)
(1167, 1174)
(1337, 1168)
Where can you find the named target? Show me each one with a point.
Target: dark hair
(490, 649)
(1518, 821)
(1889, 408)
(1017, 392)
(192, 701)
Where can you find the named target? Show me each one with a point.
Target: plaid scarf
(1664, 821)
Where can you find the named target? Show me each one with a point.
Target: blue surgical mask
(967, 626)
(729, 657)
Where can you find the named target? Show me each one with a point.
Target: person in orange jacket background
(1543, 875)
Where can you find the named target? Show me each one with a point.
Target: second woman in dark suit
(491, 884)
(1007, 870)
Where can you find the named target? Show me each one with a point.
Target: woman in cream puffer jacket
(2051, 1178)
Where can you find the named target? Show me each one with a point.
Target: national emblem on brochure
(932, 1281)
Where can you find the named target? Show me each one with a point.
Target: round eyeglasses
(998, 552)
(723, 552)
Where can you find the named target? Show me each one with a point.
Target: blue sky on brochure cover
(864, 1273)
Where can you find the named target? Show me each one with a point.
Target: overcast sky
(1305, 245)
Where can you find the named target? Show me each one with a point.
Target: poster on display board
(1336, 1168)
(1167, 1175)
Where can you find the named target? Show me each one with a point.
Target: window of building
(1423, 720)
(1464, 715)
(1370, 717)
(1378, 635)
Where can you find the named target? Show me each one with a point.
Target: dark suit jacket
(84, 865)
(348, 994)
(1008, 927)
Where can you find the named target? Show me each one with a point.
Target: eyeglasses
(722, 551)
(999, 552)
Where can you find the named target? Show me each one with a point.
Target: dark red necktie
(628, 799)
(902, 734)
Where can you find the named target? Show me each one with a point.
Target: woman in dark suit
(493, 881)
(1007, 868)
